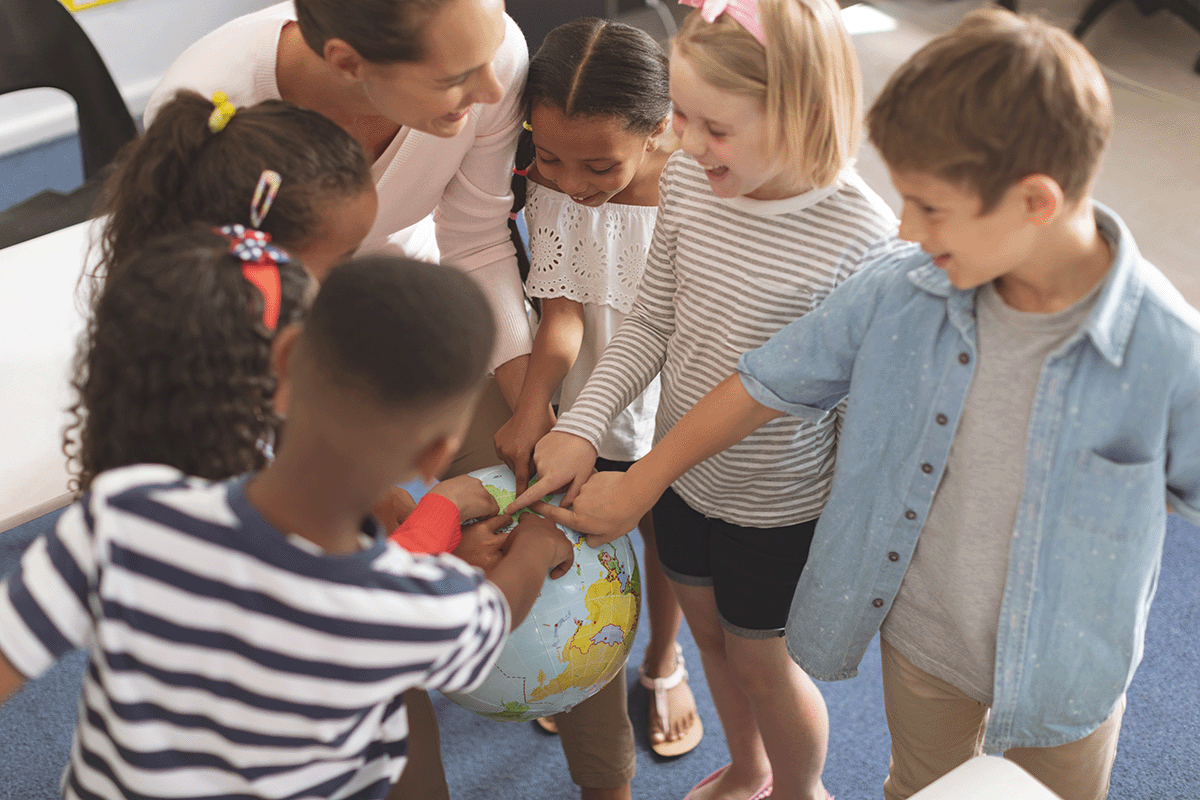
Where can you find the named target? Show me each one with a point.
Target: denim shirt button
(910, 514)
(927, 468)
(941, 419)
(893, 556)
(877, 602)
(963, 358)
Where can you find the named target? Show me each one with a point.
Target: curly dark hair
(174, 366)
(180, 172)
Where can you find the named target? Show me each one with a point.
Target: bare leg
(665, 617)
(791, 714)
(750, 765)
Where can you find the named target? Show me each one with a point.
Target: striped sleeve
(44, 603)
(723, 276)
(635, 354)
(484, 633)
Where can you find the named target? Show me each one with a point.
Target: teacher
(431, 89)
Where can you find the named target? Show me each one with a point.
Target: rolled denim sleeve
(804, 370)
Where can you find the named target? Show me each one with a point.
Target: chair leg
(1090, 15)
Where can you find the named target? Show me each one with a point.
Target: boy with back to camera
(253, 637)
(1023, 397)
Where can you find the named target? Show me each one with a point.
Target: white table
(41, 317)
(986, 778)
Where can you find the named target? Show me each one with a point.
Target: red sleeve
(433, 527)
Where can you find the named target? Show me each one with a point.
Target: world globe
(577, 635)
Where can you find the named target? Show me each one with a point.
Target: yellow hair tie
(527, 126)
(222, 112)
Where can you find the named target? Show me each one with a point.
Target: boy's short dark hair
(407, 333)
(996, 99)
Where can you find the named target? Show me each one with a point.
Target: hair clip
(264, 196)
(260, 266)
(521, 172)
(527, 126)
(222, 112)
(744, 11)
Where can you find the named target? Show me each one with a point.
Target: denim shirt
(1114, 434)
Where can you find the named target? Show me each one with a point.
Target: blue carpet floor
(1158, 757)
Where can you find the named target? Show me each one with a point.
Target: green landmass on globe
(505, 496)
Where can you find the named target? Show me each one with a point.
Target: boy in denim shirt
(1023, 395)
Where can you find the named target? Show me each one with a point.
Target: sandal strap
(660, 685)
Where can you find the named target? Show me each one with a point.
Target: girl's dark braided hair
(174, 366)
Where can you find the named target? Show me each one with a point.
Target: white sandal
(658, 688)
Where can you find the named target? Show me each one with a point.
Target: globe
(577, 635)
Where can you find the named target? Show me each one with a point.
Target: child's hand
(535, 531)
(483, 544)
(607, 507)
(562, 459)
(516, 439)
(394, 507)
(537, 546)
(468, 495)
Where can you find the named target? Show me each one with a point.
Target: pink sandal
(764, 791)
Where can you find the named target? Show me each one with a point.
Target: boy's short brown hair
(996, 99)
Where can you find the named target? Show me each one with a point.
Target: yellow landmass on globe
(612, 611)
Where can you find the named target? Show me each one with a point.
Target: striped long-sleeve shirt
(721, 277)
(228, 659)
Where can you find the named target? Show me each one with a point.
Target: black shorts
(605, 465)
(753, 571)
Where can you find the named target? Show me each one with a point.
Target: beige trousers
(935, 728)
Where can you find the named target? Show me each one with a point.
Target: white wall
(138, 39)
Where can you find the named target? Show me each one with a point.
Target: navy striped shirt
(227, 660)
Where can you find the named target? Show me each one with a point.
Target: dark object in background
(41, 45)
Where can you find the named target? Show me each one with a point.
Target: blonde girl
(761, 217)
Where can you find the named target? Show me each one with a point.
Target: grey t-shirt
(945, 617)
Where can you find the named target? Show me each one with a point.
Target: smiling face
(592, 159)
(727, 134)
(435, 95)
(972, 248)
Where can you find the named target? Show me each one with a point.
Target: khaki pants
(935, 728)
(597, 738)
(423, 777)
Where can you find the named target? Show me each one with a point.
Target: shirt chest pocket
(1112, 498)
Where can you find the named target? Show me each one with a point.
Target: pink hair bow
(744, 11)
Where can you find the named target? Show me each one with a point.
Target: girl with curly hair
(174, 367)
